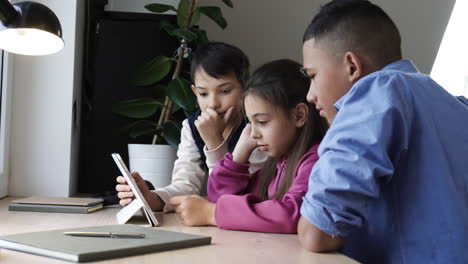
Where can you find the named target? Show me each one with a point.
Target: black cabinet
(116, 45)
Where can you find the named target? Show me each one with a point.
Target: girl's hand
(194, 210)
(211, 126)
(245, 145)
(127, 196)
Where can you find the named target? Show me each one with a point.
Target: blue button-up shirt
(393, 171)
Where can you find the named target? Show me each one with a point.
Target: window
(451, 65)
(4, 150)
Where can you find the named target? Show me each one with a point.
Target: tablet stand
(126, 213)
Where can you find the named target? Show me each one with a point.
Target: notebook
(55, 244)
(57, 204)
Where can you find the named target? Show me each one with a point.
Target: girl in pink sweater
(288, 130)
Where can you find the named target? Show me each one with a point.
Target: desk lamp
(29, 28)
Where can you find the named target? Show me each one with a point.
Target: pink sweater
(238, 205)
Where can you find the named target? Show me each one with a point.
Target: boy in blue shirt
(391, 184)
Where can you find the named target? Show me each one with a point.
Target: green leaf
(180, 93)
(215, 14)
(153, 71)
(202, 37)
(159, 8)
(137, 108)
(171, 132)
(195, 18)
(167, 26)
(142, 127)
(228, 3)
(183, 14)
(185, 34)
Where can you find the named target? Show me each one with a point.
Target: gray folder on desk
(55, 244)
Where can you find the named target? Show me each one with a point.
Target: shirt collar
(400, 65)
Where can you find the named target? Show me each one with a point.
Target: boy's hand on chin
(211, 126)
(194, 210)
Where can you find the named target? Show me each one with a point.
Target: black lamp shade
(33, 30)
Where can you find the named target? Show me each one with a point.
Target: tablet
(134, 187)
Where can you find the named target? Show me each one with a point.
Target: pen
(106, 234)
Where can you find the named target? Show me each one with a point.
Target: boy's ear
(300, 114)
(193, 89)
(354, 65)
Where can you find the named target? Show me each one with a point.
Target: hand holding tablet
(139, 203)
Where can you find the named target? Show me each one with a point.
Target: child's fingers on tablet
(123, 188)
(124, 202)
(125, 195)
(121, 179)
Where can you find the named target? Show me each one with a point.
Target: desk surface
(227, 246)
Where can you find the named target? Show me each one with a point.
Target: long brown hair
(282, 84)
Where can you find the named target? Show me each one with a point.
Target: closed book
(55, 244)
(55, 208)
(57, 204)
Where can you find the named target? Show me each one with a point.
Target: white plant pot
(153, 162)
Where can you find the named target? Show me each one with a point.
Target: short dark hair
(219, 59)
(282, 84)
(358, 26)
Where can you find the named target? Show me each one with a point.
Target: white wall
(42, 96)
(273, 29)
(135, 5)
(422, 24)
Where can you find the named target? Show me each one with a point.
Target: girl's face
(274, 130)
(217, 94)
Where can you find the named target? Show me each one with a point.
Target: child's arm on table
(279, 215)
(195, 210)
(250, 212)
(315, 240)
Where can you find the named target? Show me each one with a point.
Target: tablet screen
(131, 182)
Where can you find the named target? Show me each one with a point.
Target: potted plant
(162, 116)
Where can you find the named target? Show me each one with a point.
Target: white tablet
(135, 205)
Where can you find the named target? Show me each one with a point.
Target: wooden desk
(227, 246)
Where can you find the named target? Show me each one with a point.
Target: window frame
(5, 102)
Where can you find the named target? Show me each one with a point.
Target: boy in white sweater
(219, 72)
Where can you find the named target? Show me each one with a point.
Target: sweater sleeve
(187, 175)
(214, 155)
(250, 213)
(228, 177)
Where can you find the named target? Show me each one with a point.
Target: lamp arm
(7, 12)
